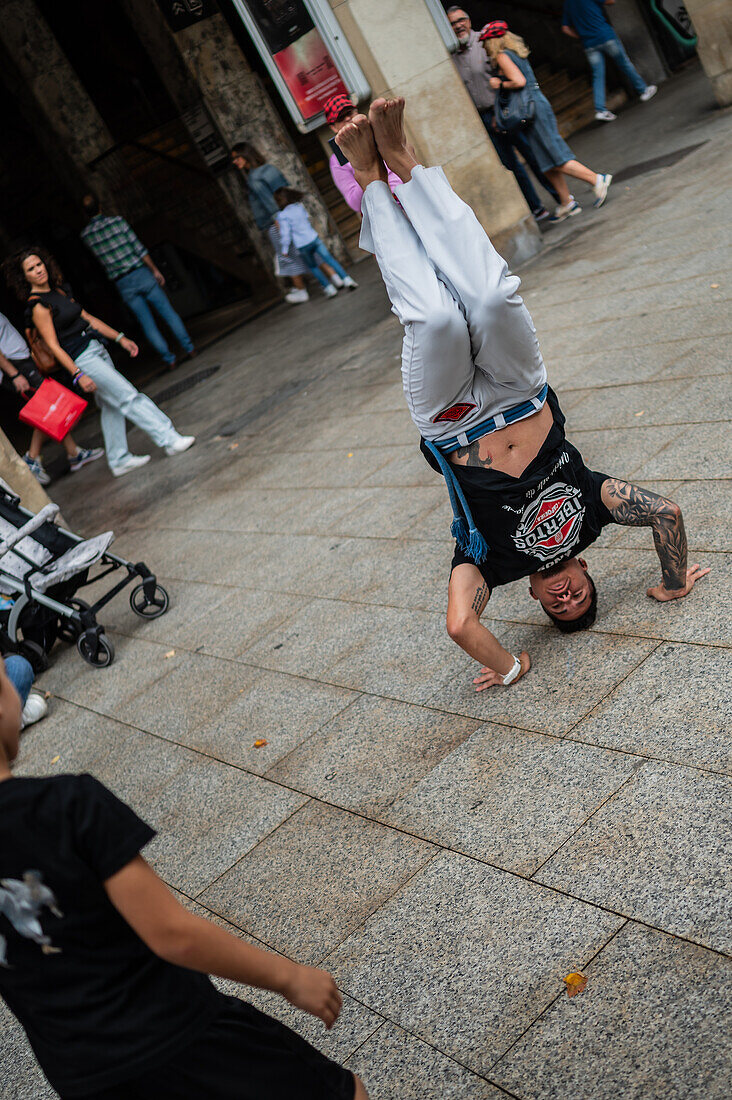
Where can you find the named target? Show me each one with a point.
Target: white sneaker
(336, 280)
(35, 708)
(129, 464)
(600, 188)
(182, 443)
(349, 283)
(569, 210)
(605, 116)
(649, 93)
(330, 291)
(297, 296)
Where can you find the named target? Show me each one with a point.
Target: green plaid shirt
(114, 244)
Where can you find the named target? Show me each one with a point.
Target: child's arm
(283, 224)
(179, 937)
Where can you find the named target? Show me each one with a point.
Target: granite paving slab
(274, 707)
(651, 1023)
(21, 1072)
(206, 814)
(648, 714)
(137, 665)
(702, 451)
(652, 403)
(377, 649)
(510, 798)
(315, 880)
(623, 577)
(75, 738)
(623, 452)
(394, 1065)
(570, 673)
(466, 956)
(389, 513)
(404, 466)
(658, 852)
(371, 754)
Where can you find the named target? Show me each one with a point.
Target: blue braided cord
(463, 529)
(516, 412)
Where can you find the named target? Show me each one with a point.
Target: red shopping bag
(53, 408)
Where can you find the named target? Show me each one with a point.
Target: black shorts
(242, 1055)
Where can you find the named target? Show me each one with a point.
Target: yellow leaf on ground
(55, 759)
(170, 653)
(575, 983)
(714, 286)
(258, 744)
(350, 454)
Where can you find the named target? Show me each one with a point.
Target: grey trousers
(470, 350)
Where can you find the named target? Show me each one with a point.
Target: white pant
(118, 399)
(468, 337)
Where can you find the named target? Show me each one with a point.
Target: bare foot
(356, 142)
(387, 122)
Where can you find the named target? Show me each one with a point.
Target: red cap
(496, 29)
(335, 106)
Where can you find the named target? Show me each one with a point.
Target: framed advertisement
(306, 54)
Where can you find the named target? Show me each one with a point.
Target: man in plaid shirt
(131, 268)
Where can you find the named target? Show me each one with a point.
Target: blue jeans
(139, 291)
(615, 50)
(20, 674)
(506, 145)
(118, 399)
(316, 253)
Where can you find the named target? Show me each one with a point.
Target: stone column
(55, 88)
(712, 21)
(16, 474)
(236, 100)
(401, 53)
(639, 43)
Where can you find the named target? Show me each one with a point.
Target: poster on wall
(184, 13)
(307, 56)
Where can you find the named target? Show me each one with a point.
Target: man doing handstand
(525, 504)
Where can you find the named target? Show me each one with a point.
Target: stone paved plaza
(450, 857)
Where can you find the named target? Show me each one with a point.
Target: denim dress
(547, 145)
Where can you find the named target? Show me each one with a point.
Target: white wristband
(513, 673)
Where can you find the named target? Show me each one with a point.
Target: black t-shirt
(74, 335)
(553, 511)
(97, 1005)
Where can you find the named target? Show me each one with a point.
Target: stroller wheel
(34, 653)
(149, 608)
(95, 648)
(68, 631)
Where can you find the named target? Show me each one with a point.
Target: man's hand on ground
(693, 574)
(488, 677)
(315, 992)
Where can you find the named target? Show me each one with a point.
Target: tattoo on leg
(480, 599)
(635, 507)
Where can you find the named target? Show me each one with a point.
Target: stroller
(42, 566)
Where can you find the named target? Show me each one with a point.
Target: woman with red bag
(73, 335)
(19, 375)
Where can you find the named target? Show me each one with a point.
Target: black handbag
(514, 109)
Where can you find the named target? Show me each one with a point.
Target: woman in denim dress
(507, 53)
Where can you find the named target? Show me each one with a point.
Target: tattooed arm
(632, 506)
(468, 597)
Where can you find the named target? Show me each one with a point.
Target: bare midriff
(511, 449)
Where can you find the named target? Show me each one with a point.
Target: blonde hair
(509, 41)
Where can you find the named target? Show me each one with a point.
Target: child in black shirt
(108, 973)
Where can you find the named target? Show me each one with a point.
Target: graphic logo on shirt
(551, 524)
(22, 903)
(455, 412)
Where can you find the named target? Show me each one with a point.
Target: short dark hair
(250, 153)
(285, 195)
(91, 204)
(456, 7)
(584, 622)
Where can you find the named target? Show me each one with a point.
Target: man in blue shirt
(586, 20)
